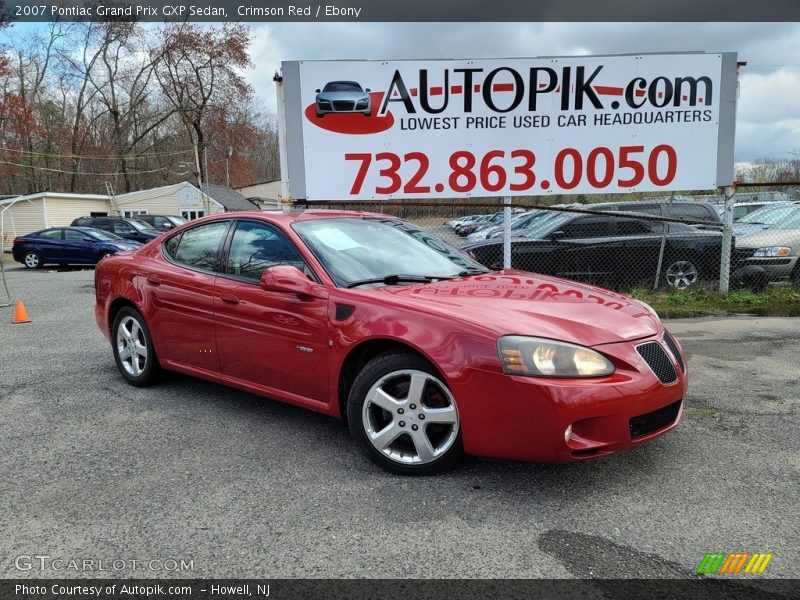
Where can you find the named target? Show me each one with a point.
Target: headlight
(773, 251)
(537, 357)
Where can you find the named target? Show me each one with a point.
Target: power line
(95, 157)
(114, 173)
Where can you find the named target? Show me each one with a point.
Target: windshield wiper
(395, 279)
(468, 272)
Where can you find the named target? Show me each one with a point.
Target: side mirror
(286, 279)
(556, 235)
(368, 90)
(317, 91)
(90, 239)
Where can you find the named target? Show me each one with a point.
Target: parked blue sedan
(68, 245)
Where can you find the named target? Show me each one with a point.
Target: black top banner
(403, 10)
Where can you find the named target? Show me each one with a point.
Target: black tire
(32, 260)
(446, 437)
(142, 374)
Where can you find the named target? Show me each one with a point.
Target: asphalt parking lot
(246, 487)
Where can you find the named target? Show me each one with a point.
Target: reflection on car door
(274, 340)
(183, 294)
(586, 250)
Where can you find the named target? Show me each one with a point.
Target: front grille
(342, 105)
(653, 421)
(673, 347)
(657, 359)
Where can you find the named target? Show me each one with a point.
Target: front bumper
(775, 267)
(526, 418)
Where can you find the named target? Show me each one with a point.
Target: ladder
(112, 200)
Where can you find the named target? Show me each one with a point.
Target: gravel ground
(247, 487)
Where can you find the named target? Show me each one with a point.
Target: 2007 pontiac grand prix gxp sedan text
(425, 353)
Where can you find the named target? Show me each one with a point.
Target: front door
(274, 340)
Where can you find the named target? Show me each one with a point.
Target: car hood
(771, 237)
(519, 302)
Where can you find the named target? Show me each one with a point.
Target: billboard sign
(363, 130)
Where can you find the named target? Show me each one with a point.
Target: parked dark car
(130, 229)
(611, 250)
(67, 245)
(162, 222)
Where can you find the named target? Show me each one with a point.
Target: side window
(684, 210)
(199, 247)
(123, 228)
(74, 236)
(586, 227)
(633, 227)
(104, 224)
(171, 245)
(257, 246)
(650, 209)
(161, 222)
(51, 234)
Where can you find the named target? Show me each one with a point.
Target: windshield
(102, 235)
(770, 215)
(178, 220)
(353, 249)
(342, 86)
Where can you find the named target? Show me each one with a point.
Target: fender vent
(343, 311)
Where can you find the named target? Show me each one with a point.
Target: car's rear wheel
(133, 348)
(404, 416)
(681, 274)
(32, 260)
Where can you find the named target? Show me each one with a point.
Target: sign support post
(507, 232)
(727, 238)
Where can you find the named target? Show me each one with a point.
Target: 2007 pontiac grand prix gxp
(425, 353)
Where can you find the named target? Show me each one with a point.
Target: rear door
(181, 289)
(50, 246)
(275, 340)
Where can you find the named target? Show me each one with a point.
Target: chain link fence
(655, 243)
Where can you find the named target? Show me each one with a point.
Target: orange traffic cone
(20, 314)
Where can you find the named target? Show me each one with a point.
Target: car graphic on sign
(343, 97)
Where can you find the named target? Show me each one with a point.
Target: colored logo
(735, 563)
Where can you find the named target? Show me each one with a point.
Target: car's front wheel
(32, 260)
(404, 416)
(133, 348)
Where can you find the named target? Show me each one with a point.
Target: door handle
(229, 298)
(154, 280)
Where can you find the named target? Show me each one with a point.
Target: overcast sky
(768, 123)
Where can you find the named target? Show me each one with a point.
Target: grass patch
(775, 301)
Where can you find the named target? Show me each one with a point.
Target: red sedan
(424, 352)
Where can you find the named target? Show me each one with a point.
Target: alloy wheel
(32, 260)
(681, 274)
(410, 417)
(132, 346)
